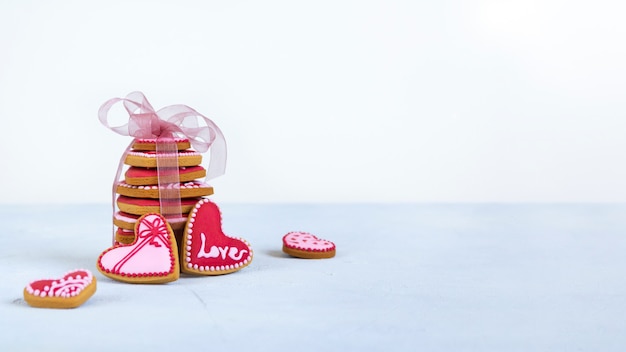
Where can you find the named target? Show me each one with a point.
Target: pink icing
(150, 202)
(185, 185)
(130, 218)
(71, 285)
(307, 242)
(125, 232)
(153, 140)
(150, 255)
(153, 154)
(136, 172)
(207, 248)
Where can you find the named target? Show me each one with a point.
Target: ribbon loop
(179, 120)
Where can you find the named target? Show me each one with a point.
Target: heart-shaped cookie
(206, 250)
(305, 245)
(70, 291)
(152, 258)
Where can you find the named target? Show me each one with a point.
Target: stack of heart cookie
(138, 193)
(155, 257)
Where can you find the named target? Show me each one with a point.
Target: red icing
(153, 152)
(151, 202)
(137, 172)
(153, 140)
(41, 284)
(207, 248)
(131, 218)
(182, 185)
(135, 217)
(125, 232)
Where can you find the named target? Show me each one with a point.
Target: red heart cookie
(206, 249)
(152, 258)
(305, 245)
(72, 290)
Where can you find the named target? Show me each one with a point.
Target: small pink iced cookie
(128, 221)
(152, 258)
(70, 291)
(150, 144)
(187, 190)
(305, 245)
(124, 236)
(148, 176)
(149, 158)
(140, 206)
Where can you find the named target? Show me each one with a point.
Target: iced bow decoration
(164, 125)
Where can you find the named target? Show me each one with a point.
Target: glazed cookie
(128, 221)
(305, 245)
(124, 236)
(151, 259)
(140, 206)
(150, 144)
(70, 291)
(139, 176)
(187, 190)
(206, 250)
(149, 159)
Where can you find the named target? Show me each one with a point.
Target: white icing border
(182, 185)
(182, 153)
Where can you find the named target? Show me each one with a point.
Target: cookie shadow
(18, 302)
(277, 253)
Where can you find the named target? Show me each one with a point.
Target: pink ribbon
(179, 120)
(164, 125)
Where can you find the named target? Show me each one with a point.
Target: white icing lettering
(213, 252)
(223, 251)
(216, 251)
(233, 253)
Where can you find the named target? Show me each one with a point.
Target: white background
(333, 101)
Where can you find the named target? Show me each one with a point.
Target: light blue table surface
(407, 277)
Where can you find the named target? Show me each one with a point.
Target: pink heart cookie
(152, 258)
(305, 245)
(206, 249)
(70, 291)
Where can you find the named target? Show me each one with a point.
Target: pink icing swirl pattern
(71, 285)
(307, 242)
